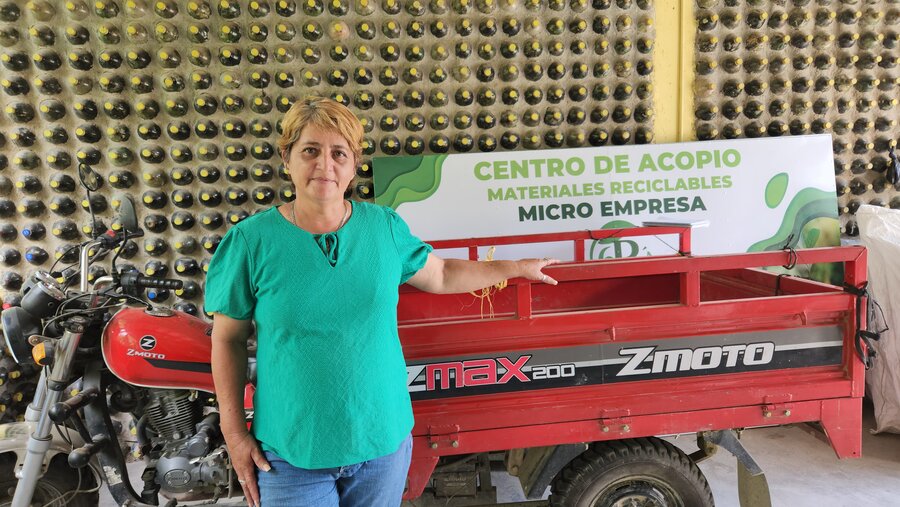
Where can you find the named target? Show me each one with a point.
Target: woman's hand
(246, 457)
(532, 269)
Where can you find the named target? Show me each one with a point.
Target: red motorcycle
(120, 377)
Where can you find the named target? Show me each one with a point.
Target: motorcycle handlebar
(145, 282)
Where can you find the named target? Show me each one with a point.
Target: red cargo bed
(632, 347)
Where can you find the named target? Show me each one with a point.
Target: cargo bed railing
(577, 237)
(689, 268)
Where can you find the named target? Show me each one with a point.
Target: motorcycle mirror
(127, 214)
(89, 177)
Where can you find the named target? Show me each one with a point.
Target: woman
(319, 277)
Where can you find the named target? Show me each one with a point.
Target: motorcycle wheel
(55, 489)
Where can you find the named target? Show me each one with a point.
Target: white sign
(755, 194)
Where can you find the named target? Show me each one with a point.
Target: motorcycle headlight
(42, 295)
(18, 325)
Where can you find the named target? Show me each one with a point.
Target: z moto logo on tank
(148, 342)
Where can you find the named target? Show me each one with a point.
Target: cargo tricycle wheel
(642, 472)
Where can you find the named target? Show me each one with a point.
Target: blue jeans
(375, 483)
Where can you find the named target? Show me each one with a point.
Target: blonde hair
(322, 113)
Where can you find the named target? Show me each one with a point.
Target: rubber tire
(60, 478)
(606, 463)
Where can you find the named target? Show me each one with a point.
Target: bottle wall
(178, 103)
(806, 66)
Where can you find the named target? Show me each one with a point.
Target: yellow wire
(486, 294)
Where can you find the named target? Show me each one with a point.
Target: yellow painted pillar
(673, 95)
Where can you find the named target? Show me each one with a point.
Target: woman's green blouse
(331, 379)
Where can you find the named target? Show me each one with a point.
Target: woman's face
(321, 165)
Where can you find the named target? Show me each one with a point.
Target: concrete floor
(802, 470)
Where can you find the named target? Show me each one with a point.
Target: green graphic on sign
(775, 190)
(811, 221)
(408, 179)
(614, 248)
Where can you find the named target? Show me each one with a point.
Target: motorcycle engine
(193, 457)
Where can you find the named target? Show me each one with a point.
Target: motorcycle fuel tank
(159, 348)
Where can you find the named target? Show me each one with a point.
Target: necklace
(343, 220)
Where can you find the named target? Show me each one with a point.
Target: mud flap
(753, 488)
(537, 466)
